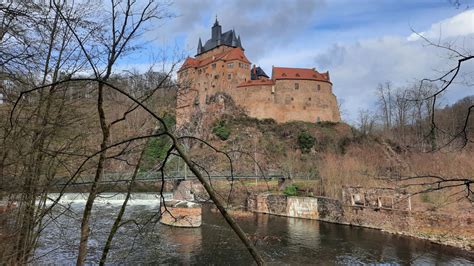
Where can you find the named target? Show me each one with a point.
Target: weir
(110, 198)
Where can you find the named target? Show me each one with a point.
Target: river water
(282, 240)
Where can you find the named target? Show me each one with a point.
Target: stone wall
(190, 190)
(376, 198)
(198, 85)
(312, 101)
(315, 208)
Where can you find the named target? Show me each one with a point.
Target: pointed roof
(189, 62)
(199, 49)
(256, 72)
(229, 38)
(233, 54)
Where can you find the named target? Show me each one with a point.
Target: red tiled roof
(233, 54)
(189, 62)
(256, 82)
(299, 73)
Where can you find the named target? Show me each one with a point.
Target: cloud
(357, 68)
(457, 26)
(262, 24)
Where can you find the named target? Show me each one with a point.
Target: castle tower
(216, 31)
(199, 49)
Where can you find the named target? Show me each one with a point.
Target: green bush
(306, 141)
(221, 130)
(291, 190)
(157, 147)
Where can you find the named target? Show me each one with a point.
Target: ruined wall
(398, 219)
(315, 208)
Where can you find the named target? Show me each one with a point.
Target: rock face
(181, 214)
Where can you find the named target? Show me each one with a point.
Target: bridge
(116, 178)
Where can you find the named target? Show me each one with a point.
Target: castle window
(318, 119)
(199, 71)
(229, 76)
(230, 65)
(309, 99)
(297, 86)
(319, 87)
(292, 98)
(213, 66)
(216, 76)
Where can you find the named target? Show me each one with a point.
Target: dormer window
(297, 74)
(283, 75)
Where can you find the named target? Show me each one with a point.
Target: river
(282, 240)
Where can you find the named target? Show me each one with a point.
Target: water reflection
(282, 241)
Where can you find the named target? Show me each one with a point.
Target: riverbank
(435, 227)
(281, 240)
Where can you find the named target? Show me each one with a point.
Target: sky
(361, 43)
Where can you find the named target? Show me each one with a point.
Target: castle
(220, 66)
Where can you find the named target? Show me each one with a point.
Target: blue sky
(361, 43)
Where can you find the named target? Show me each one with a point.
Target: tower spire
(199, 49)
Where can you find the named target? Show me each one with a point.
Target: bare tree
(96, 46)
(366, 122)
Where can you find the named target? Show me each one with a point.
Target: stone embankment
(361, 210)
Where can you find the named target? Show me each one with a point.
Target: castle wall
(284, 102)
